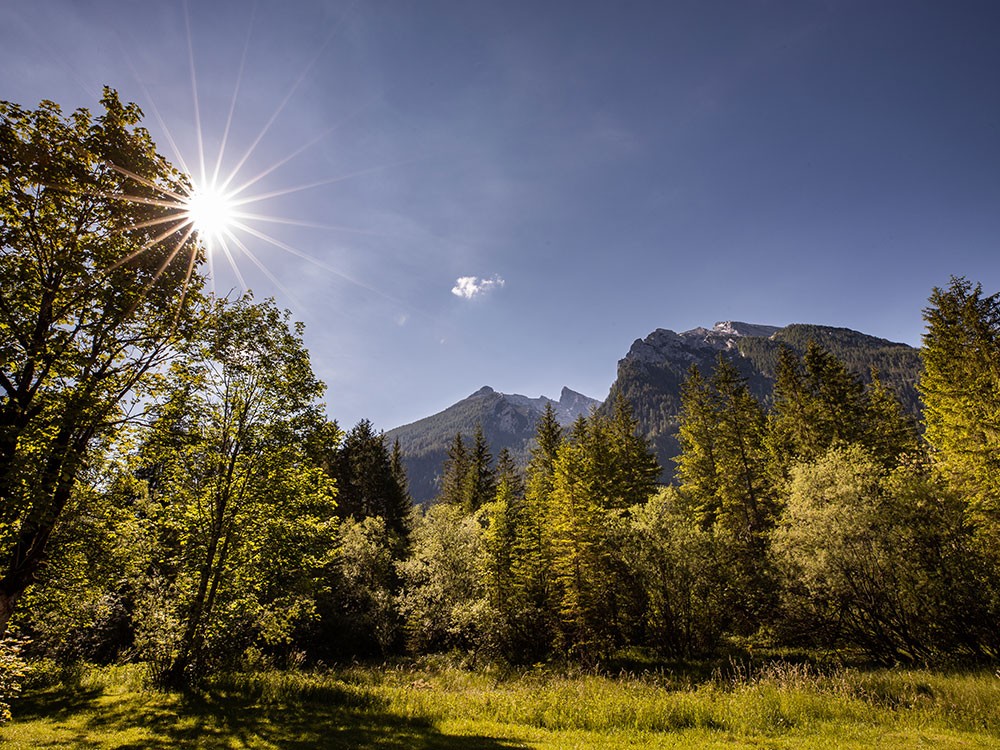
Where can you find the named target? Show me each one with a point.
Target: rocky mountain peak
(690, 346)
(736, 328)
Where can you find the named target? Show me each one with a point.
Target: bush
(13, 670)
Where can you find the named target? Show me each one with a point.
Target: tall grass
(773, 699)
(423, 703)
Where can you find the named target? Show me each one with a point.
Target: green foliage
(653, 388)
(961, 391)
(599, 472)
(819, 403)
(364, 617)
(878, 560)
(241, 523)
(723, 464)
(455, 471)
(80, 607)
(443, 599)
(724, 478)
(97, 285)
(370, 482)
(479, 484)
(468, 479)
(13, 670)
(676, 563)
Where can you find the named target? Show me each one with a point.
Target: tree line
(171, 490)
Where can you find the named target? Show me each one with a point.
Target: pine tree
(479, 486)
(698, 434)
(533, 623)
(819, 403)
(576, 525)
(368, 485)
(503, 516)
(960, 387)
(633, 466)
(600, 472)
(890, 433)
(399, 470)
(456, 467)
(744, 493)
(724, 475)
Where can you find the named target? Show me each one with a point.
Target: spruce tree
(891, 432)
(368, 486)
(724, 476)
(698, 434)
(456, 467)
(531, 550)
(479, 485)
(960, 387)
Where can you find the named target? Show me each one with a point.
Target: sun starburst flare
(220, 208)
(211, 212)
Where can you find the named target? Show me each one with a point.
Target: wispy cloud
(468, 287)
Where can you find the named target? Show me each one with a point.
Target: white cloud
(468, 287)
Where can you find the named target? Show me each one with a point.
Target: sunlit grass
(432, 704)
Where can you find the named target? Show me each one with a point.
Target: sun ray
(307, 145)
(176, 217)
(159, 272)
(264, 269)
(268, 219)
(150, 243)
(178, 154)
(280, 163)
(319, 183)
(194, 91)
(291, 91)
(142, 180)
(236, 93)
(320, 264)
(232, 263)
(192, 260)
(214, 214)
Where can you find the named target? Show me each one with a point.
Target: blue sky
(593, 170)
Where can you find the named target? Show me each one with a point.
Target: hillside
(508, 421)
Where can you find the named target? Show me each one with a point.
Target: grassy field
(434, 705)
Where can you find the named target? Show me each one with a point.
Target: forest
(175, 495)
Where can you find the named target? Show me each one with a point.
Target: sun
(212, 213)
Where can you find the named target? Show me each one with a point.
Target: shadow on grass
(219, 720)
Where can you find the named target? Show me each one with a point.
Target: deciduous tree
(98, 278)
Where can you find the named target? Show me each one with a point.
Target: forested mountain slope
(651, 373)
(508, 421)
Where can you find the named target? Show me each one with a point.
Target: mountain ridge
(508, 421)
(649, 377)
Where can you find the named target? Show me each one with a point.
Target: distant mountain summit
(691, 346)
(508, 421)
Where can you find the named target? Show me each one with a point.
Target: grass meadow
(435, 704)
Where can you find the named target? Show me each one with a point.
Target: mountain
(650, 377)
(508, 421)
(651, 373)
